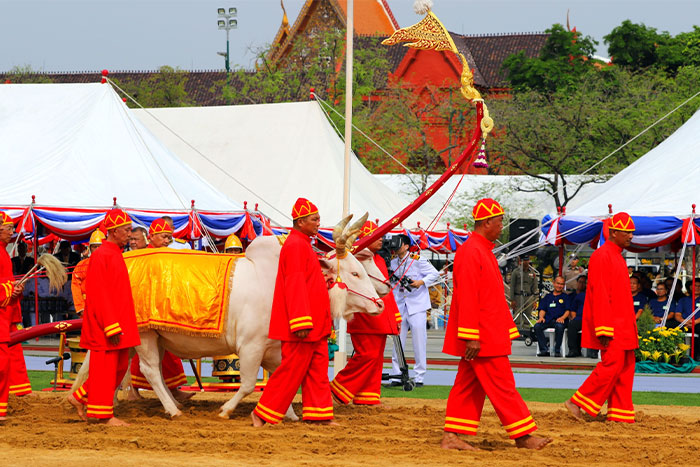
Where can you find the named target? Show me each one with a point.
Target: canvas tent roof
(278, 152)
(663, 182)
(77, 145)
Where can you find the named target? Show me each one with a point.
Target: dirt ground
(44, 430)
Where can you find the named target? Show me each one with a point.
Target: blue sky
(85, 35)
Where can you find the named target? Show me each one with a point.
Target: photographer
(414, 275)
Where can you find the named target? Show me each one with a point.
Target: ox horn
(339, 237)
(354, 230)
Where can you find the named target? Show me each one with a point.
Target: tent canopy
(658, 191)
(75, 147)
(277, 153)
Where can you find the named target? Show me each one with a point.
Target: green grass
(41, 379)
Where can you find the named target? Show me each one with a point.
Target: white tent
(663, 182)
(77, 145)
(277, 153)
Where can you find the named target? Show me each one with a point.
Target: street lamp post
(227, 22)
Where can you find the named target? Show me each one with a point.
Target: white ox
(248, 319)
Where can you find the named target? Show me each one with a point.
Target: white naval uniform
(178, 244)
(413, 307)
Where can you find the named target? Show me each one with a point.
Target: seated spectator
(646, 287)
(571, 273)
(553, 312)
(639, 299)
(573, 327)
(66, 255)
(678, 292)
(22, 264)
(685, 307)
(659, 305)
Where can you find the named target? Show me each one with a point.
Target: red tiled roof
(490, 51)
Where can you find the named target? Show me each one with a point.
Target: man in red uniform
(479, 330)
(18, 378)
(609, 325)
(360, 381)
(10, 292)
(301, 319)
(160, 234)
(77, 283)
(109, 323)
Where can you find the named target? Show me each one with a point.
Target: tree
(163, 89)
(634, 45)
(565, 57)
(551, 135)
(25, 74)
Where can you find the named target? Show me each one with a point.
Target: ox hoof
(225, 415)
(175, 415)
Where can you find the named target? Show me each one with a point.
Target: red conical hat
(116, 218)
(368, 228)
(622, 221)
(159, 226)
(5, 219)
(302, 208)
(486, 208)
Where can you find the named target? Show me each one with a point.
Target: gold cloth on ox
(181, 291)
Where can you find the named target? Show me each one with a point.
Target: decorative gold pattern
(430, 34)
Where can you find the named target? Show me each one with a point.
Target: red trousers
(4, 378)
(361, 379)
(611, 380)
(19, 380)
(303, 364)
(107, 368)
(492, 377)
(173, 373)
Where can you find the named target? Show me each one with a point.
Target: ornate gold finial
(430, 34)
(285, 20)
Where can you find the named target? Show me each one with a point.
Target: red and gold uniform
(173, 371)
(609, 311)
(7, 314)
(18, 378)
(479, 312)
(361, 380)
(109, 311)
(300, 302)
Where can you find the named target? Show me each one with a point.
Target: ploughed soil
(43, 430)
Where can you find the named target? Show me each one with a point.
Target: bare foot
(532, 442)
(182, 396)
(573, 410)
(114, 421)
(78, 406)
(322, 422)
(451, 441)
(257, 421)
(2, 420)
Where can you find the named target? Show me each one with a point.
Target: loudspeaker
(521, 227)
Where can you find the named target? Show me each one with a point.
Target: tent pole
(692, 295)
(340, 359)
(36, 280)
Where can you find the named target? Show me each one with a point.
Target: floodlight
(232, 11)
(221, 11)
(233, 23)
(222, 23)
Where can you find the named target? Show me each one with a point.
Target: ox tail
(82, 373)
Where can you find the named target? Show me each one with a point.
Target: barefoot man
(109, 323)
(609, 325)
(479, 330)
(360, 382)
(301, 319)
(10, 292)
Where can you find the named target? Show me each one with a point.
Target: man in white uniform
(413, 304)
